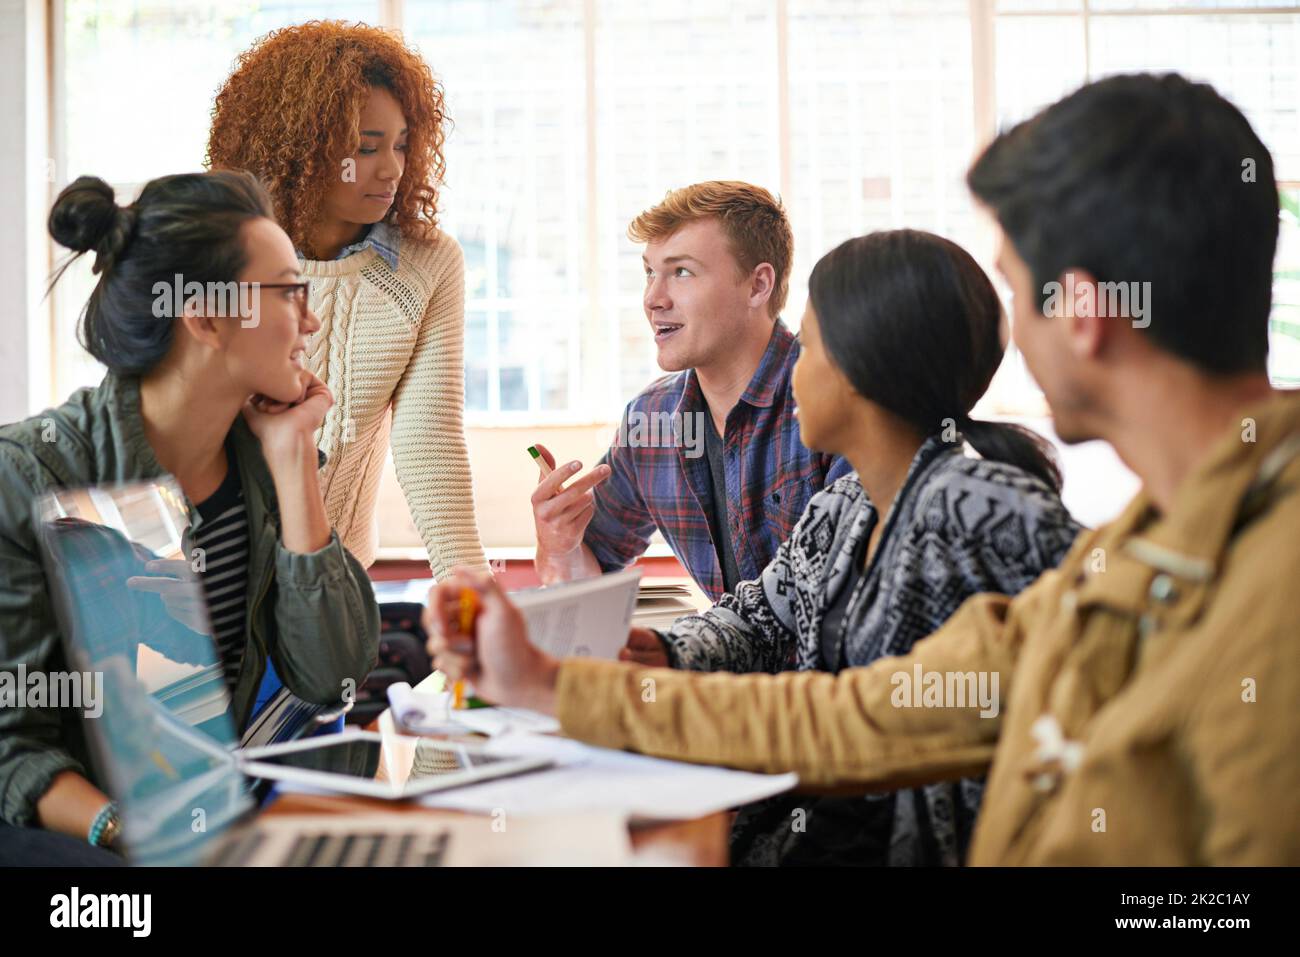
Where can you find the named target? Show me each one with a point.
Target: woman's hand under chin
(286, 428)
(287, 433)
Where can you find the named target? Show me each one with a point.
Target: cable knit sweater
(391, 349)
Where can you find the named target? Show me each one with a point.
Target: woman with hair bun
(345, 126)
(218, 397)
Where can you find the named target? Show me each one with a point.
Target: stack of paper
(661, 601)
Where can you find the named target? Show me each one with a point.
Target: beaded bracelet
(106, 816)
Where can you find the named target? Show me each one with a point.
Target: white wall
(504, 478)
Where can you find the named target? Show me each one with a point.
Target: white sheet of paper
(587, 618)
(590, 779)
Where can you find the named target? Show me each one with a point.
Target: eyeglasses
(302, 290)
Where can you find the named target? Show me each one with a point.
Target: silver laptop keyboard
(332, 849)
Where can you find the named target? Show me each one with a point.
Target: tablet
(407, 766)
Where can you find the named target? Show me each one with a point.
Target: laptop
(165, 741)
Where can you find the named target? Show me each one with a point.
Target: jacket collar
(120, 395)
(918, 473)
(1206, 507)
(1237, 479)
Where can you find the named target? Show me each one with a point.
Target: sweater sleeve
(428, 438)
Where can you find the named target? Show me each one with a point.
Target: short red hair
(754, 221)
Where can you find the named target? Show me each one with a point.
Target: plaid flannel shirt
(770, 475)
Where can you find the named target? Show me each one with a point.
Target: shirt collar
(769, 376)
(382, 238)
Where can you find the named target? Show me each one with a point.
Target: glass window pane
(881, 123)
(1253, 60)
(516, 191)
(1039, 60)
(514, 389)
(139, 81)
(1104, 5)
(686, 92)
(141, 75)
(1039, 6)
(1284, 338)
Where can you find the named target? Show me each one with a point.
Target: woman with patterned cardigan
(353, 162)
(902, 335)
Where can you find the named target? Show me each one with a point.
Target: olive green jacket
(313, 614)
(1149, 687)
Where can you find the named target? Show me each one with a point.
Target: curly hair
(289, 113)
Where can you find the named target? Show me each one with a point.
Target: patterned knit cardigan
(959, 526)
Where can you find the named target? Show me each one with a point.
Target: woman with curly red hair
(344, 125)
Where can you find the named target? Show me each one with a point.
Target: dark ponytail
(185, 226)
(915, 324)
(1015, 445)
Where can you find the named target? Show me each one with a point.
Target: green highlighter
(541, 462)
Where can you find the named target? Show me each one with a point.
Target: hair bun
(86, 218)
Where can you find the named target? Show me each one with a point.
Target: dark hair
(185, 225)
(1146, 178)
(915, 325)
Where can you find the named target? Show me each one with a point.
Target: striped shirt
(223, 538)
